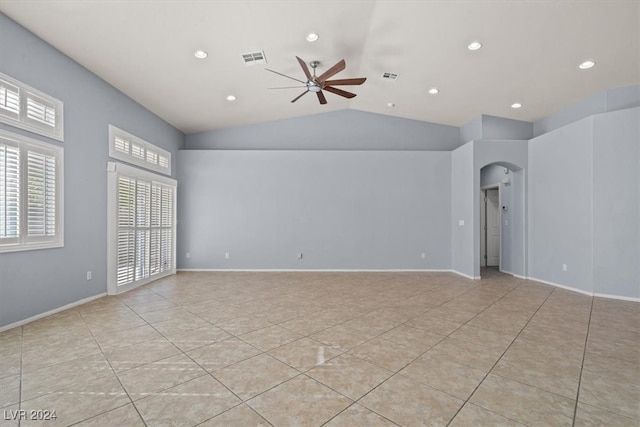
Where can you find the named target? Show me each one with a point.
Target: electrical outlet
(299, 255)
(227, 255)
(89, 275)
(564, 267)
(423, 255)
(461, 222)
(188, 255)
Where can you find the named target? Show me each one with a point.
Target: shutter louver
(121, 145)
(126, 257)
(40, 112)
(9, 192)
(41, 195)
(9, 98)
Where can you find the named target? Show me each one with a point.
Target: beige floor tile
(187, 404)
(122, 358)
(559, 376)
(304, 354)
(109, 340)
(414, 338)
(79, 403)
(270, 337)
(485, 337)
(472, 415)
(349, 375)
(241, 415)
(221, 354)
(523, 403)
(466, 353)
(445, 375)
(358, 415)
(433, 324)
(194, 338)
(255, 375)
(58, 351)
(154, 377)
(10, 416)
(9, 363)
(307, 325)
(244, 324)
(9, 390)
(621, 347)
(590, 416)
(176, 326)
(74, 373)
(455, 316)
(120, 417)
(340, 337)
(386, 354)
(407, 402)
(301, 401)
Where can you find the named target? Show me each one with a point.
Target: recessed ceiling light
(516, 105)
(231, 98)
(311, 37)
(390, 104)
(434, 91)
(474, 46)
(200, 54)
(586, 65)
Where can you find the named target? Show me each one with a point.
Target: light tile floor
(335, 349)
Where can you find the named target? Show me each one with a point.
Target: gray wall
(336, 130)
(560, 206)
(33, 282)
(495, 128)
(616, 203)
(463, 197)
(341, 209)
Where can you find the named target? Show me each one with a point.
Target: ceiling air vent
(390, 76)
(254, 58)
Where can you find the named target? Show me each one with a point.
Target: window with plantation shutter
(131, 149)
(30, 193)
(141, 226)
(27, 108)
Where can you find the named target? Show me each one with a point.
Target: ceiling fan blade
(339, 92)
(346, 82)
(332, 71)
(287, 87)
(321, 97)
(299, 96)
(305, 68)
(284, 75)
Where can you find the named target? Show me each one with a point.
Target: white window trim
(23, 244)
(23, 122)
(114, 170)
(115, 132)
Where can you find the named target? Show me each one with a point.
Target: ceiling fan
(317, 84)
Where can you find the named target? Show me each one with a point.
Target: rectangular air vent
(254, 58)
(390, 76)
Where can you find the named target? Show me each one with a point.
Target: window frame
(114, 171)
(24, 242)
(21, 120)
(142, 160)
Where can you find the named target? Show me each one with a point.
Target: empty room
(319, 213)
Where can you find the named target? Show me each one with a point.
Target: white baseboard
(557, 285)
(327, 270)
(465, 275)
(520, 277)
(599, 295)
(50, 312)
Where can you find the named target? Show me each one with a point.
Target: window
(131, 149)
(27, 108)
(30, 193)
(141, 227)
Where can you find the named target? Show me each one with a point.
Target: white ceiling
(530, 54)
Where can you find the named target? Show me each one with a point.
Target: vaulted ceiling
(530, 54)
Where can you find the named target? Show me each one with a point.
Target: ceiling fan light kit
(317, 84)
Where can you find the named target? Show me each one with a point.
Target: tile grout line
(584, 355)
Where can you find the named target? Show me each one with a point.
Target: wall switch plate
(461, 222)
(188, 255)
(299, 255)
(227, 255)
(564, 267)
(423, 255)
(89, 275)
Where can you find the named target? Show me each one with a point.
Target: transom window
(131, 149)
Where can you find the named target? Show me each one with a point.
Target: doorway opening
(490, 229)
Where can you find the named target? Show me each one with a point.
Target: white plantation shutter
(9, 193)
(131, 149)
(27, 108)
(144, 227)
(30, 193)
